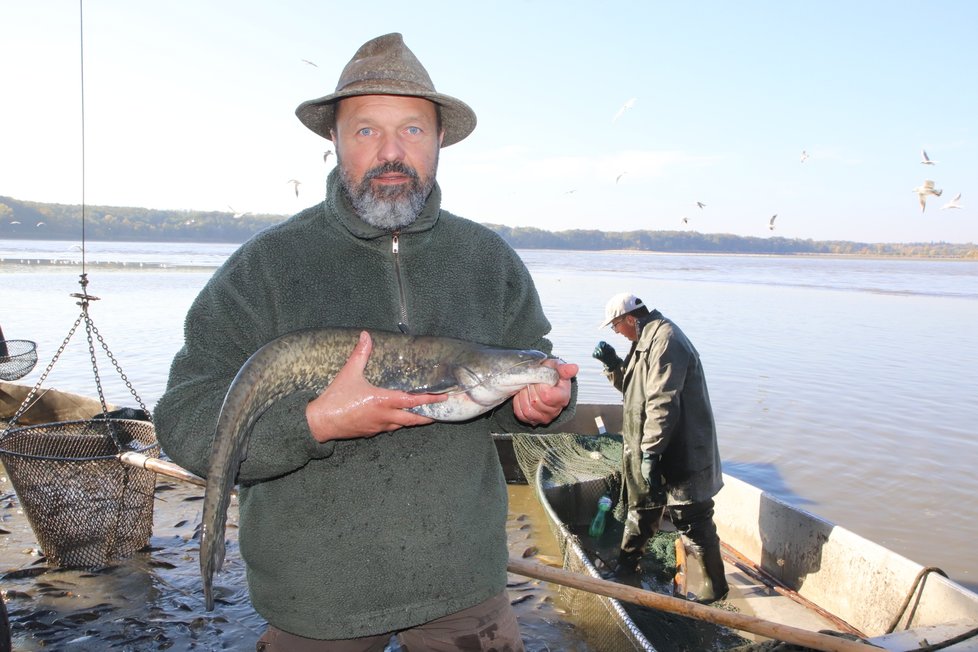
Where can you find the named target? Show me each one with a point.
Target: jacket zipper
(395, 250)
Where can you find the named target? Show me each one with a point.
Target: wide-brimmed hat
(385, 66)
(618, 305)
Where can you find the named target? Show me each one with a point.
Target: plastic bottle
(597, 523)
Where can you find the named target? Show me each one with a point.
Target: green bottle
(597, 523)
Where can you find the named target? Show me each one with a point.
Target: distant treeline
(38, 221)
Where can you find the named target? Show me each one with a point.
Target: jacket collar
(338, 208)
(645, 334)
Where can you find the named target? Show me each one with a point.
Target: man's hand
(351, 407)
(539, 404)
(652, 472)
(606, 354)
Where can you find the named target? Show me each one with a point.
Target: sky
(190, 105)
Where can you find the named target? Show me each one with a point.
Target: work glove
(606, 354)
(652, 472)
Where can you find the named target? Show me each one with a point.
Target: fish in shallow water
(476, 378)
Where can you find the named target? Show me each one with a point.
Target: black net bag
(17, 358)
(87, 509)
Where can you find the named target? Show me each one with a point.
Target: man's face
(387, 149)
(626, 326)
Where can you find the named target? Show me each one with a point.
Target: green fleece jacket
(363, 536)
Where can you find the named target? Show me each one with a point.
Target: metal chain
(90, 329)
(26, 404)
(118, 368)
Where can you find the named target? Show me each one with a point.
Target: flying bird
(326, 155)
(770, 224)
(924, 190)
(295, 184)
(804, 156)
(700, 204)
(624, 107)
(310, 63)
(685, 220)
(618, 178)
(954, 203)
(924, 159)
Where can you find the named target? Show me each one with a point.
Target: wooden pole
(161, 466)
(686, 608)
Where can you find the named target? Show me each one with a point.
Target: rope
(81, 42)
(906, 603)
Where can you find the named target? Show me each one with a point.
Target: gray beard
(388, 208)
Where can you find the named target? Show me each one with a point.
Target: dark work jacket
(667, 412)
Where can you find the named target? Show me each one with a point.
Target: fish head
(481, 378)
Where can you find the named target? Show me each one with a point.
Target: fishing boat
(785, 566)
(788, 570)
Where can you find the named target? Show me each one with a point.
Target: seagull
(924, 159)
(685, 220)
(326, 155)
(770, 224)
(924, 190)
(310, 63)
(42, 223)
(295, 184)
(804, 156)
(954, 203)
(618, 178)
(700, 204)
(624, 107)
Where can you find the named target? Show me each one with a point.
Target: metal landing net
(86, 507)
(17, 358)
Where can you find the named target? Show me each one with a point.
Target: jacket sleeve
(222, 329)
(523, 324)
(616, 377)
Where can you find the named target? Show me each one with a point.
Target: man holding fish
(370, 506)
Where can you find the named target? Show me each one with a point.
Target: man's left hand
(540, 404)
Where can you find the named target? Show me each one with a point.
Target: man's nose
(391, 149)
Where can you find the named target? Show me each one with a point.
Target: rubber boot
(706, 581)
(626, 570)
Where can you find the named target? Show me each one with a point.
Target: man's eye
(414, 131)
(366, 131)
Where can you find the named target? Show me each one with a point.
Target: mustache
(391, 167)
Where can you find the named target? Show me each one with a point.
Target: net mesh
(86, 507)
(17, 358)
(569, 473)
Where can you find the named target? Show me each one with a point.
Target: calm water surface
(845, 386)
